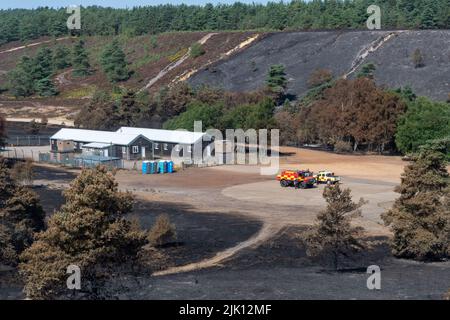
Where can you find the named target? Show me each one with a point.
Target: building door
(106, 153)
(143, 152)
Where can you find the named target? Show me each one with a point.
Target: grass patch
(79, 93)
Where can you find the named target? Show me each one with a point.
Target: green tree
(46, 88)
(61, 57)
(21, 79)
(420, 217)
(197, 50)
(113, 62)
(90, 231)
(333, 233)
(367, 71)
(424, 120)
(80, 60)
(42, 64)
(210, 116)
(276, 79)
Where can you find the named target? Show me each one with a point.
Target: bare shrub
(343, 147)
(162, 232)
(23, 172)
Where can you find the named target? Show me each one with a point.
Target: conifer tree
(21, 215)
(61, 57)
(333, 233)
(420, 217)
(21, 79)
(90, 231)
(80, 60)
(113, 62)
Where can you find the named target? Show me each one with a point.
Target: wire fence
(31, 140)
(68, 160)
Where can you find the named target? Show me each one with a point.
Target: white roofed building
(127, 142)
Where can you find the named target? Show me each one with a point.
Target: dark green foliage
(276, 79)
(245, 116)
(113, 62)
(21, 79)
(306, 15)
(33, 75)
(367, 71)
(210, 115)
(61, 58)
(45, 87)
(80, 60)
(424, 120)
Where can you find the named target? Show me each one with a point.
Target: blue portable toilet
(145, 167)
(162, 166)
(153, 167)
(170, 166)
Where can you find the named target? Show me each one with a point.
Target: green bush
(197, 50)
(424, 120)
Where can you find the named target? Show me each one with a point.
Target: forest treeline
(26, 24)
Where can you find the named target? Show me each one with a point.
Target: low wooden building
(130, 143)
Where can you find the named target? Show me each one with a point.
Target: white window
(124, 150)
(156, 146)
(166, 146)
(189, 149)
(135, 149)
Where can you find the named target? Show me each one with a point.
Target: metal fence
(81, 162)
(31, 140)
(21, 154)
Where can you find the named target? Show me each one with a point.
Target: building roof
(96, 145)
(106, 137)
(170, 136)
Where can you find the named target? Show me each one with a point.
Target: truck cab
(327, 177)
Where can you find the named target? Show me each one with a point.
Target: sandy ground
(242, 190)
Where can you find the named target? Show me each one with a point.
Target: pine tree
(113, 62)
(46, 88)
(276, 82)
(420, 217)
(21, 215)
(276, 79)
(80, 60)
(90, 231)
(61, 57)
(21, 79)
(129, 109)
(42, 64)
(367, 71)
(333, 233)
